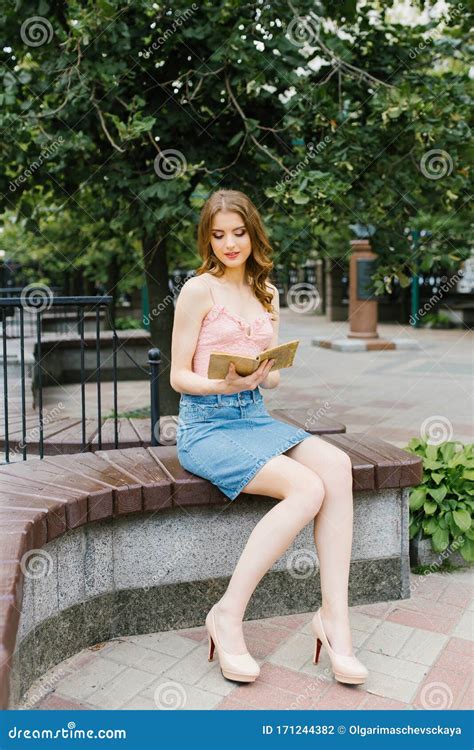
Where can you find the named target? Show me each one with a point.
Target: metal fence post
(154, 359)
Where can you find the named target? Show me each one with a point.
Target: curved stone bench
(120, 542)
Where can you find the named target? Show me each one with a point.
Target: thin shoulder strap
(210, 290)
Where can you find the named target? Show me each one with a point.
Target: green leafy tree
(122, 116)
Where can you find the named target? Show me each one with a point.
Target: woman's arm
(191, 307)
(273, 378)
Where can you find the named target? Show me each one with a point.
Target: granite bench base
(149, 572)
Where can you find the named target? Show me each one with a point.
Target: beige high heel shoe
(240, 667)
(346, 668)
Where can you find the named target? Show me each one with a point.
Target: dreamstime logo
(445, 286)
(436, 33)
(436, 695)
(47, 686)
(436, 164)
(303, 297)
(36, 31)
(301, 563)
(319, 683)
(169, 164)
(316, 415)
(170, 696)
(155, 311)
(36, 297)
(434, 566)
(312, 152)
(44, 155)
(436, 430)
(164, 430)
(176, 24)
(35, 431)
(303, 30)
(36, 563)
(182, 431)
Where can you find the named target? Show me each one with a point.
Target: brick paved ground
(419, 653)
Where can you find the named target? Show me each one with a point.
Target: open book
(283, 354)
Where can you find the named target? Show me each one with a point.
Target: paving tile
(393, 666)
(358, 621)
(197, 634)
(388, 686)
(193, 667)
(441, 689)
(55, 702)
(461, 646)
(139, 703)
(380, 703)
(132, 655)
(294, 652)
(301, 685)
(457, 594)
(429, 586)
(120, 689)
(84, 682)
(271, 697)
(422, 620)
(215, 682)
(341, 697)
(379, 610)
(454, 658)
(292, 622)
(423, 646)
(389, 638)
(431, 608)
(467, 701)
(230, 704)
(169, 642)
(465, 626)
(171, 695)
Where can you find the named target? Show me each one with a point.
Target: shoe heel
(211, 649)
(317, 649)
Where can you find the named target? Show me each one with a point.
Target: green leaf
(438, 493)
(440, 540)
(467, 550)
(462, 519)
(430, 507)
(437, 477)
(237, 137)
(430, 526)
(469, 474)
(417, 498)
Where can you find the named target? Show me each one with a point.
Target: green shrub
(441, 507)
(124, 324)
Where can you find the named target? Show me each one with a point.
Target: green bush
(441, 507)
(125, 324)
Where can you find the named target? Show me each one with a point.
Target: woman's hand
(235, 383)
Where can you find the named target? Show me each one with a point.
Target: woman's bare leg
(300, 493)
(332, 534)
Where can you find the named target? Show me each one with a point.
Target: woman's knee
(342, 468)
(310, 489)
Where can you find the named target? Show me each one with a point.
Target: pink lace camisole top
(221, 330)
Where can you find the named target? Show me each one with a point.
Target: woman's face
(230, 239)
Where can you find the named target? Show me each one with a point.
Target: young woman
(226, 435)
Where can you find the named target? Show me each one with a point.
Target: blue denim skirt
(228, 438)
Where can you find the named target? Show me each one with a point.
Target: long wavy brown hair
(259, 264)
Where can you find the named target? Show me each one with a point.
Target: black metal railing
(56, 316)
(80, 304)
